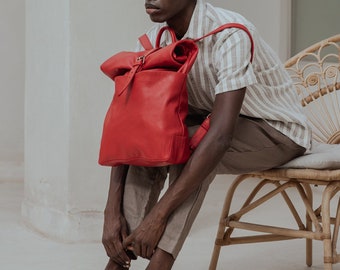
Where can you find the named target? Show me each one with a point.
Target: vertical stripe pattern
(223, 64)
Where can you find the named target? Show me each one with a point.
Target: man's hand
(143, 241)
(111, 265)
(114, 233)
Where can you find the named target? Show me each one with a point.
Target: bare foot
(111, 265)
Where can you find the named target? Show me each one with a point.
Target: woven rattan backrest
(316, 75)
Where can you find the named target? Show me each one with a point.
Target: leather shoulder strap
(145, 41)
(231, 25)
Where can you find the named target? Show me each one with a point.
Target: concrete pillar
(66, 100)
(12, 73)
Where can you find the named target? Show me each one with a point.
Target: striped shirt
(223, 64)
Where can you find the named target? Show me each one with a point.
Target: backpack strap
(203, 129)
(232, 25)
(145, 41)
(199, 134)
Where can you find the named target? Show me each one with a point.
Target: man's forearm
(116, 189)
(226, 110)
(201, 164)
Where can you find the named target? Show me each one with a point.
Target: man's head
(174, 12)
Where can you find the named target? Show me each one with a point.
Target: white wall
(271, 17)
(12, 72)
(313, 20)
(66, 100)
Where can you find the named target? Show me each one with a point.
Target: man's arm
(116, 189)
(224, 116)
(115, 227)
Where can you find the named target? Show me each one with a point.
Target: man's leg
(179, 224)
(255, 146)
(161, 260)
(142, 188)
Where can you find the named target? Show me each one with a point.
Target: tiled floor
(23, 249)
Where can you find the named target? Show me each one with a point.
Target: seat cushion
(322, 156)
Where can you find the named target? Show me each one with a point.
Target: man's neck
(181, 22)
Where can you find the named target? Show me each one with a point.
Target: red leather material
(199, 134)
(178, 55)
(232, 25)
(145, 41)
(144, 125)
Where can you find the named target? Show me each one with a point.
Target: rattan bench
(316, 75)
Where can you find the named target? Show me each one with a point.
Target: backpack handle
(146, 43)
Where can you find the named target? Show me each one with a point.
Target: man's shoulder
(218, 16)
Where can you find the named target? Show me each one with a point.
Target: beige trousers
(255, 146)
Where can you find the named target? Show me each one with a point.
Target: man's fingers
(128, 242)
(115, 262)
(121, 254)
(149, 253)
(116, 252)
(130, 252)
(138, 247)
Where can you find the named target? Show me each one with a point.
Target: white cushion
(322, 156)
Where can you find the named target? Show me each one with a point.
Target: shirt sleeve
(231, 57)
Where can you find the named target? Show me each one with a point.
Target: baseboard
(83, 226)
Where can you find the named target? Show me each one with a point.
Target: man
(256, 124)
